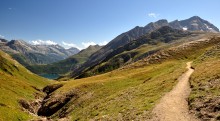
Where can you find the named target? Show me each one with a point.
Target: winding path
(174, 106)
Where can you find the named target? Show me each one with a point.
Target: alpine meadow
(109, 60)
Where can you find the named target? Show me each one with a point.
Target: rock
(54, 103)
(50, 88)
(26, 105)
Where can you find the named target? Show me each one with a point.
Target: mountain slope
(192, 24)
(64, 66)
(148, 44)
(17, 85)
(28, 54)
(195, 23)
(120, 40)
(128, 93)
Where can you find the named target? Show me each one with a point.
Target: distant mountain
(71, 51)
(64, 66)
(192, 24)
(28, 54)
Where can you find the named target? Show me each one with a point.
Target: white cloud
(83, 45)
(87, 44)
(43, 42)
(153, 15)
(1, 36)
(69, 45)
(9, 8)
(185, 28)
(103, 43)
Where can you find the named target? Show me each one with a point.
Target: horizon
(90, 22)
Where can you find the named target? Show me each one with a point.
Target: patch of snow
(208, 27)
(194, 24)
(185, 28)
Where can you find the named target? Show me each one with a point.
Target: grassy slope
(16, 83)
(205, 82)
(124, 93)
(127, 93)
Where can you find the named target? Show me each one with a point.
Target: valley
(139, 75)
(64, 66)
(131, 92)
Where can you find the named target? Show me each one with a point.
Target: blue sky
(83, 22)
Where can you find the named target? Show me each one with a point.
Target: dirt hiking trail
(174, 106)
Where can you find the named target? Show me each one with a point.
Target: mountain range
(194, 23)
(130, 52)
(28, 54)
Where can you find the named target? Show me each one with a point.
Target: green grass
(131, 92)
(206, 85)
(205, 71)
(207, 68)
(16, 83)
(128, 92)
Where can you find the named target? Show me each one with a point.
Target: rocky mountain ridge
(129, 53)
(194, 23)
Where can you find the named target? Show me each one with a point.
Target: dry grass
(130, 93)
(124, 93)
(205, 82)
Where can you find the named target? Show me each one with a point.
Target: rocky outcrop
(50, 88)
(47, 105)
(49, 108)
(206, 108)
(54, 103)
